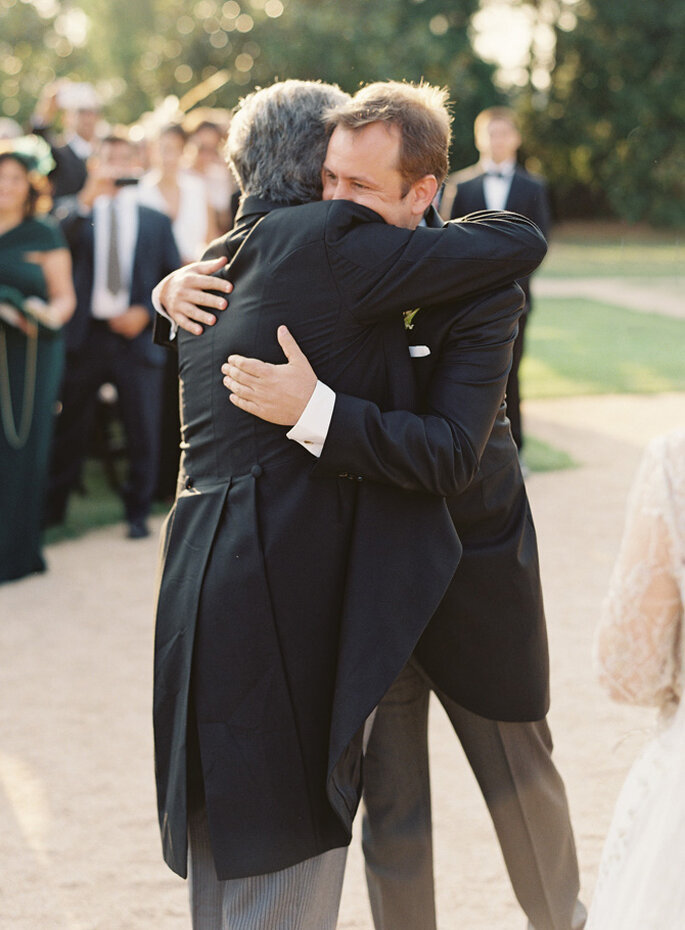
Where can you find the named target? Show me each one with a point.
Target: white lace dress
(639, 658)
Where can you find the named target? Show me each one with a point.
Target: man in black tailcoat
(290, 600)
(484, 653)
(498, 182)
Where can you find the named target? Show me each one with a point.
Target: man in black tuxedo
(498, 182)
(119, 250)
(81, 107)
(484, 652)
(289, 601)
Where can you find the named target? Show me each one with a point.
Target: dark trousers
(513, 393)
(524, 792)
(107, 357)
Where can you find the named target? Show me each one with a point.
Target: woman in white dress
(179, 193)
(639, 658)
(205, 149)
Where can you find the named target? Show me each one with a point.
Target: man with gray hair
(290, 600)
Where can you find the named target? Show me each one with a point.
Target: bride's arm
(638, 640)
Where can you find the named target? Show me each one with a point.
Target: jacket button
(189, 483)
(256, 471)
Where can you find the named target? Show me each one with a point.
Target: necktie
(113, 266)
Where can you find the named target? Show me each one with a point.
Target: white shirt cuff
(157, 304)
(312, 427)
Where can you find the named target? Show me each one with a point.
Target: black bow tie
(495, 174)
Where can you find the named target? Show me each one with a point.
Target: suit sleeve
(541, 213)
(168, 260)
(161, 326)
(381, 270)
(438, 452)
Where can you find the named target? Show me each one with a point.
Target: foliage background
(598, 91)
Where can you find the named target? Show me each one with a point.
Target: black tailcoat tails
(289, 601)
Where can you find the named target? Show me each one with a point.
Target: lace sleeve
(637, 648)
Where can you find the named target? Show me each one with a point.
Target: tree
(610, 129)
(140, 53)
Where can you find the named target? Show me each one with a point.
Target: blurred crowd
(92, 215)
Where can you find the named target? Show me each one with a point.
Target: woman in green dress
(36, 299)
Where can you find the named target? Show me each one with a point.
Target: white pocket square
(419, 351)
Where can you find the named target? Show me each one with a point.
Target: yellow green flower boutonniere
(409, 317)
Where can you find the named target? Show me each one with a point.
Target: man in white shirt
(119, 250)
(498, 182)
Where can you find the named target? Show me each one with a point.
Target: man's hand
(183, 290)
(131, 323)
(276, 393)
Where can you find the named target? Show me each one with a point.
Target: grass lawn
(611, 250)
(576, 346)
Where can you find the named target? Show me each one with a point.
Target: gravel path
(78, 837)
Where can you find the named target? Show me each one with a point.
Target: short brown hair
(485, 117)
(418, 110)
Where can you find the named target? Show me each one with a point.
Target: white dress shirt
(105, 305)
(80, 147)
(496, 189)
(190, 227)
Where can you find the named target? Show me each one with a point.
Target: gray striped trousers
(305, 896)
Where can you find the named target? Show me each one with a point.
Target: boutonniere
(409, 317)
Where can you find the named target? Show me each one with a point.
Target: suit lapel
(138, 262)
(514, 196)
(478, 194)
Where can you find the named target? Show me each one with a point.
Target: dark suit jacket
(292, 600)
(527, 196)
(69, 174)
(486, 645)
(155, 256)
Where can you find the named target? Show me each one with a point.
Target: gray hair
(277, 140)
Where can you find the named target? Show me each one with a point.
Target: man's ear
(423, 193)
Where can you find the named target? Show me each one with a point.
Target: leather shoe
(138, 529)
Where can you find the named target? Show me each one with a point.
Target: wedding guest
(499, 182)
(120, 249)
(37, 298)
(205, 149)
(79, 106)
(639, 659)
(181, 194)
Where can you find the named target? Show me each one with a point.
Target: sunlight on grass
(592, 255)
(540, 457)
(98, 506)
(577, 346)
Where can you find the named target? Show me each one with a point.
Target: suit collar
(433, 218)
(251, 205)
